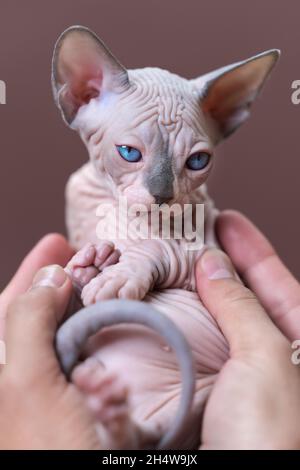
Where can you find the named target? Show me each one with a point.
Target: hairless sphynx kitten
(150, 135)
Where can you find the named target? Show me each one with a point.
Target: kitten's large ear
(227, 93)
(83, 68)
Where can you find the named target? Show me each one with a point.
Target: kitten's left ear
(83, 68)
(226, 94)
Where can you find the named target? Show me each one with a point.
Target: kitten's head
(152, 132)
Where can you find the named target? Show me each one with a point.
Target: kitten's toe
(86, 373)
(106, 255)
(89, 261)
(81, 268)
(90, 291)
(131, 290)
(83, 258)
(103, 287)
(114, 282)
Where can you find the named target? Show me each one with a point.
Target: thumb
(235, 308)
(33, 319)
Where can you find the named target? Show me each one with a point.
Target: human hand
(262, 270)
(51, 249)
(39, 409)
(255, 402)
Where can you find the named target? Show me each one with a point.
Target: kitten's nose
(162, 199)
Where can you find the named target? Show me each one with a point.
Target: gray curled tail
(74, 333)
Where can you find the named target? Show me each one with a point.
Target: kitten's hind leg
(108, 400)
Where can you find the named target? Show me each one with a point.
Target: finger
(52, 249)
(262, 270)
(32, 322)
(238, 313)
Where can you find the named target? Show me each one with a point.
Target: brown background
(257, 169)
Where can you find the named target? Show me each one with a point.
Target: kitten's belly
(142, 359)
(184, 308)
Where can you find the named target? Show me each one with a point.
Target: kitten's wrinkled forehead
(156, 106)
(165, 103)
(164, 95)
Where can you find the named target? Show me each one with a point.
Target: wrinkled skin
(167, 118)
(154, 384)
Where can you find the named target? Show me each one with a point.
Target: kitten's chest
(94, 212)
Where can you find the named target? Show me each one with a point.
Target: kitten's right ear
(83, 68)
(226, 94)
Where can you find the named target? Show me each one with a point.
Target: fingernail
(216, 265)
(50, 276)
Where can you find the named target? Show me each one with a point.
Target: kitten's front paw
(88, 262)
(115, 282)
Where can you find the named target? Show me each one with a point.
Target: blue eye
(130, 154)
(198, 161)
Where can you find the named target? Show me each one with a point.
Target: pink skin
(167, 118)
(108, 400)
(88, 262)
(265, 274)
(51, 249)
